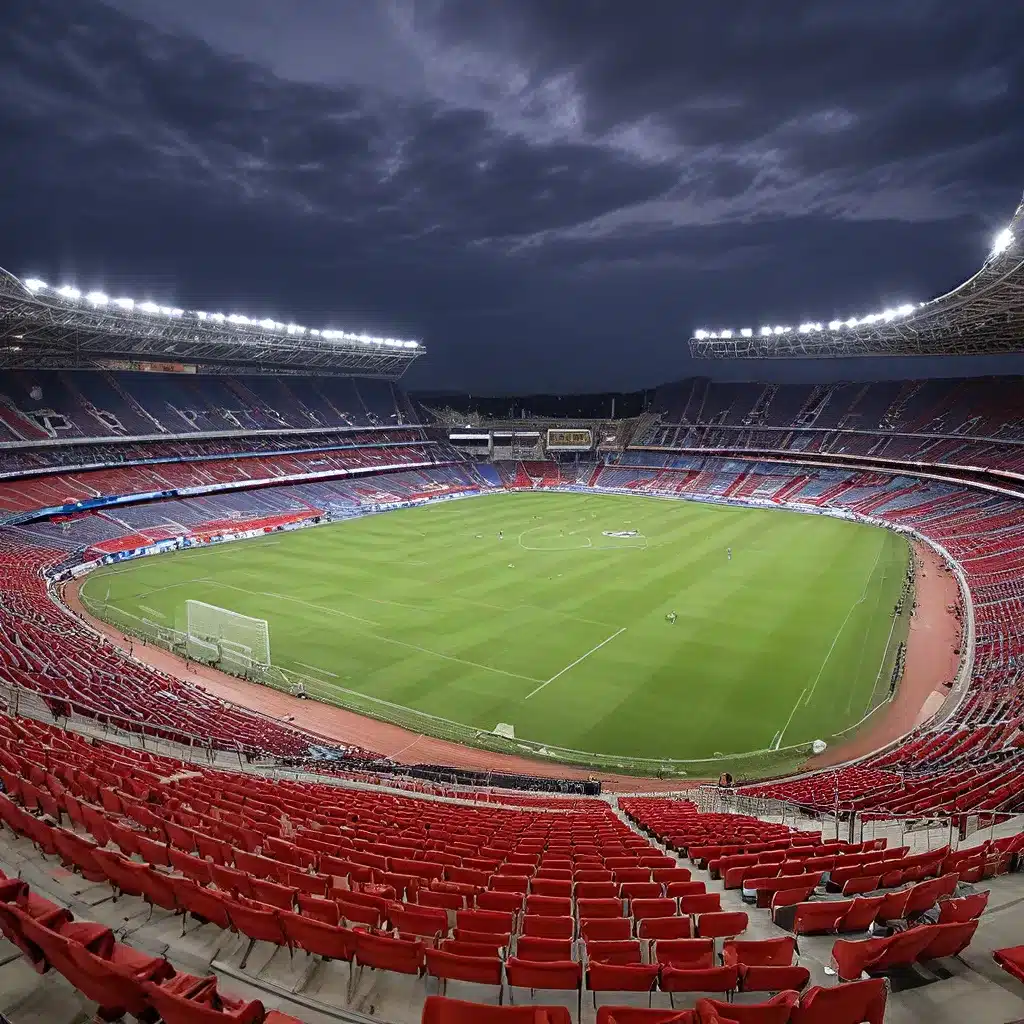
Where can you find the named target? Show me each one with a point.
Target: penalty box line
(583, 657)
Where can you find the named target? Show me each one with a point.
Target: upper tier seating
(84, 403)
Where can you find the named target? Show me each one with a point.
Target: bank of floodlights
(777, 330)
(98, 299)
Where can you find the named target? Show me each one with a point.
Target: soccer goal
(239, 643)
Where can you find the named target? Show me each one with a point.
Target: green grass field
(559, 628)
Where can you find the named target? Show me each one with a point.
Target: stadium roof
(983, 316)
(59, 327)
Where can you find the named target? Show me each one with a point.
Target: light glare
(1002, 242)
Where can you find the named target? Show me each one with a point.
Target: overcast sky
(551, 194)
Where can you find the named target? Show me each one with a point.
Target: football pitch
(551, 612)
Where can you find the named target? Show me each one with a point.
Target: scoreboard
(570, 440)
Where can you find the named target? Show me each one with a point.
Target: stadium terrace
(701, 704)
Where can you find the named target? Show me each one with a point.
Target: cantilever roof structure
(59, 328)
(983, 316)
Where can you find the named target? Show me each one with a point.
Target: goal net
(240, 643)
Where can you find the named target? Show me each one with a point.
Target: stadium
(711, 692)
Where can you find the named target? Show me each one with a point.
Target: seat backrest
(612, 977)
(855, 1002)
(860, 916)
(400, 955)
(817, 917)
(664, 906)
(258, 922)
(617, 951)
(701, 903)
(327, 940)
(608, 928)
(723, 924)
(440, 1010)
(760, 952)
(558, 974)
(664, 928)
(483, 970)
(549, 927)
(549, 906)
(599, 908)
(538, 947)
(966, 908)
(176, 1009)
(644, 1015)
(689, 953)
(776, 1010)
(948, 939)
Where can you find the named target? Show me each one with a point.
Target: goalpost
(237, 642)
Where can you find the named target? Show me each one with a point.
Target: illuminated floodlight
(746, 332)
(852, 322)
(765, 332)
(779, 330)
(1002, 241)
(700, 334)
(726, 334)
(99, 298)
(834, 325)
(906, 309)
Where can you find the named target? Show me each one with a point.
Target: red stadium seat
(858, 1002)
(439, 1010)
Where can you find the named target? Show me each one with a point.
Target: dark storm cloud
(524, 183)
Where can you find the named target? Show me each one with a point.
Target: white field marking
(779, 735)
(451, 657)
(575, 663)
(864, 643)
(563, 547)
(885, 655)
(295, 600)
(839, 632)
(319, 671)
(151, 611)
(412, 743)
(466, 600)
